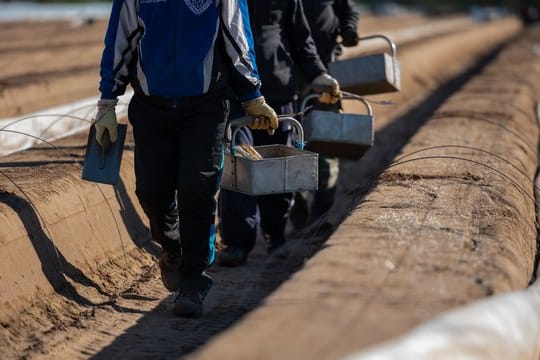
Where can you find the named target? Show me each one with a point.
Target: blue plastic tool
(102, 163)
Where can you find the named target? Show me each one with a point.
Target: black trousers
(178, 164)
(240, 214)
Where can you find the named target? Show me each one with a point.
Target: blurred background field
(83, 10)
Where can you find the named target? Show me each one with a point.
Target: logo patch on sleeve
(198, 6)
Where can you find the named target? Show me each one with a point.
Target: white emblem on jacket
(198, 6)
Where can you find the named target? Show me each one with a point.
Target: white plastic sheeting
(25, 131)
(502, 327)
(17, 11)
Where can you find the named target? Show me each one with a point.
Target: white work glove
(329, 88)
(106, 120)
(265, 118)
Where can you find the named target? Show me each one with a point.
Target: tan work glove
(329, 88)
(265, 118)
(106, 120)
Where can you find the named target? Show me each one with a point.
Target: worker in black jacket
(283, 45)
(328, 20)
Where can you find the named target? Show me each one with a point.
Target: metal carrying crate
(371, 74)
(283, 169)
(335, 134)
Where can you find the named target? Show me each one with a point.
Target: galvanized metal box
(371, 74)
(334, 134)
(282, 169)
(338, 135)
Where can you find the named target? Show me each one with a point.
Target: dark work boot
(280, 251)
(277, 248)
(231, 256)
(169, 266)
(189, 300)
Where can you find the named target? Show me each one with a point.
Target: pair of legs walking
(178, 163)
(311, 207)
(242, 215)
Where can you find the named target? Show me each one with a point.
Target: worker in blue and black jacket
(328, 20)
(180, 57)
(283, 45)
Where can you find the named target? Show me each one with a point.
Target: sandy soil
(43, 64)
(425, 236)
(118, 308)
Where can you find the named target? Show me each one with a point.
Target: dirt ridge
(432, 234)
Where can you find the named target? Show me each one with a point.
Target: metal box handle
(392, 45)
(393, 49)
(245, 120)
(346, 96)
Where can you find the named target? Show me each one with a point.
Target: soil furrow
(132, 318)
